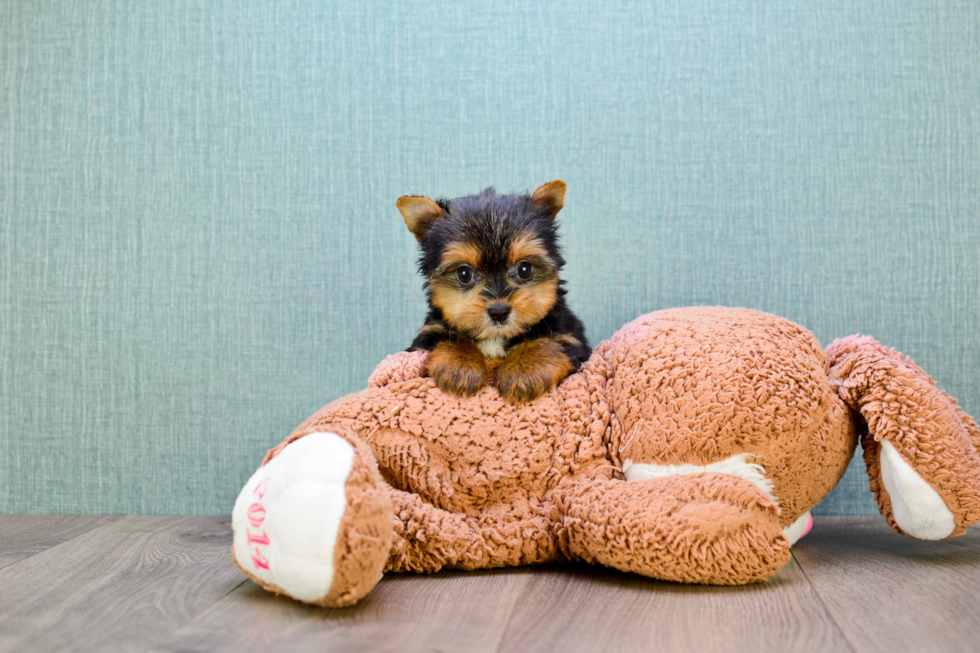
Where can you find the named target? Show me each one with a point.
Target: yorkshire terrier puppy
(497, 308)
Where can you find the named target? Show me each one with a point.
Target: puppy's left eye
(525, 270)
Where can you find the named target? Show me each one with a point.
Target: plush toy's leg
(315, 521)
(695, 528)
(920, 448)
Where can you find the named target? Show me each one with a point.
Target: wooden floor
(102, 583)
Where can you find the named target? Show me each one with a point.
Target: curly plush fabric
(683, 450)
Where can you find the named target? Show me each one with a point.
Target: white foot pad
(917, 508)
(287, 516)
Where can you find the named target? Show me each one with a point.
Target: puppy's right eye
(464, 274)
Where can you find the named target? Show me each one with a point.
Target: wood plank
(167, 583)
(120, 587)
(889, 592)
(567, 608)
(448, 611)
(589, 609)
(22, 536)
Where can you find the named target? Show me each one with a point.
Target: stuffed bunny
(689, 447)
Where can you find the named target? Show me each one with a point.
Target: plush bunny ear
(420, 214)
(921, 450)
(551, 196)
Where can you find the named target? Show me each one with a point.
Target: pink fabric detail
(257, 539)
(809, 525)
(256, 514)
(259, 490)
(259, 560)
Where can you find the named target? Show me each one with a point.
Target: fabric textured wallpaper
(199, 245)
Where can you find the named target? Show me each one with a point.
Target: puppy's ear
(420, 214)
(550, 197)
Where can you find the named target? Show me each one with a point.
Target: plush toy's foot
(917, 508)
(314, 522)
(798, 528)
(710, 528)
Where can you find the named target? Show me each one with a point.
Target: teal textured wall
(199, 245)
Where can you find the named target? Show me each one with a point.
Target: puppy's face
(494, 290)
(491, 261)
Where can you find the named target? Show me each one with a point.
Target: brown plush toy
(690, 447)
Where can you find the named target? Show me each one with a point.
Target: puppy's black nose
(498, 312)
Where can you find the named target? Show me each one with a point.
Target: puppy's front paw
(517, 385)
(531, 369)
(458, 367)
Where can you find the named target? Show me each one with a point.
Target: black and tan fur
(491, 264)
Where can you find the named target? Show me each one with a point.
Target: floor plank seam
(510, 616)
(156, 645)
(61, 543)
(823, 604)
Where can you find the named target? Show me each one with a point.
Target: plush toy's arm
(920, 449)
(403, 366)
(428, 538)
(693, 528)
